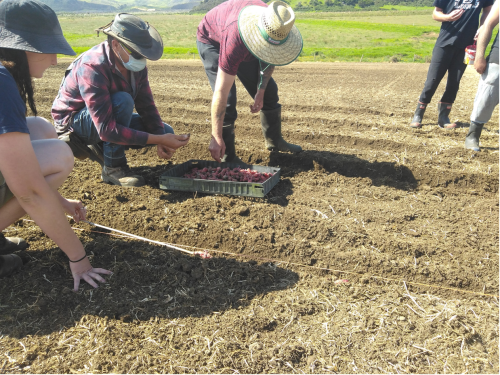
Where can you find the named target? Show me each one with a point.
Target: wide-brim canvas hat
(30, 25)
(269, 33)
(136, 34)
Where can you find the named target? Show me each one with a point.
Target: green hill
(77, 6)
(159, 5)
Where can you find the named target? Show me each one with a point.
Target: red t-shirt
(219, 28)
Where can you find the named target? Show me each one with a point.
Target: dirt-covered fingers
(165, 152)
(175, 141)
(76, 209)
(88, 278)
(91, 276)
(217, 148)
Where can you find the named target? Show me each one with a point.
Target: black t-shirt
(493, 57)
(460, 33)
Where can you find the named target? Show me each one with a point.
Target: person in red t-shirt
(247, 38)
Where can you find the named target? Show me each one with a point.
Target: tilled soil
(376, 252)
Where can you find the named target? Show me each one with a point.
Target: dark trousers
(249, 75)
(444, 59)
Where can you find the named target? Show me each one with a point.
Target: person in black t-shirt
(488, 90)
(460, 21)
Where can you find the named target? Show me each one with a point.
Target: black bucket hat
(30, 25)
(136, 34)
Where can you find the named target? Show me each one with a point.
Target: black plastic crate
(173, 180)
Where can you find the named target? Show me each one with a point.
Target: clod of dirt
(186, 266)
(256, 346)
(244, 211)
(310, 360)
(197, 273)
(126, 318)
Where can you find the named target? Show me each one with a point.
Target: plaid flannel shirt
(90, 81)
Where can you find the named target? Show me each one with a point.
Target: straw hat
(269, 33)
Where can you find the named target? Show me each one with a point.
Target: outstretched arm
(484, 38)
(223, 85)
(41, 202)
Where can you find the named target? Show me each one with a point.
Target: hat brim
(282, 54)
(154, 52)
(38, 43)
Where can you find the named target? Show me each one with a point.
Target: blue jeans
(123, 110)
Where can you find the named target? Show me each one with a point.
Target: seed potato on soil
(376, 252)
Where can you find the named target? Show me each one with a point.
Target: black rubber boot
(472, 139)
(416, 123)
(444, 122)
(10, 244)
(9, 264)
(228, 138)
(271, 128)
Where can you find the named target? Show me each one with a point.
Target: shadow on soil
(148, 282)
(381, 173)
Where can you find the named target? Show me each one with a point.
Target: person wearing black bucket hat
(247, 38)
(93, 111)
(33, 162)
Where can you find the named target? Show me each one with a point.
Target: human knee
(63, 153)
(168, 128)
(40, 128)
(121, 100)
(123, 107)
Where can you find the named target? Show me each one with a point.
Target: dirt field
(409, 218)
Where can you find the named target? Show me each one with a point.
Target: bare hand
(217, 148)
(173, 141)
(477, 32)
(75, 209)
(480, 65)
(258, 102)
(83, 270)
(164, 152)
(455, 15)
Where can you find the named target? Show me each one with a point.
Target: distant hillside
(144, 5)
(77, 6)
(206, 5)
(119, 5)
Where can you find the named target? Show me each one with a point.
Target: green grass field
(404, 35)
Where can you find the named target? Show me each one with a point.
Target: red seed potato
(227, 174)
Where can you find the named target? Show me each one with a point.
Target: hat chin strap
(266, 36)
(262, 73)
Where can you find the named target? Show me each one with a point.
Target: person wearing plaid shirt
(93, 111)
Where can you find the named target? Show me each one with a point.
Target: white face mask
(133, 64)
